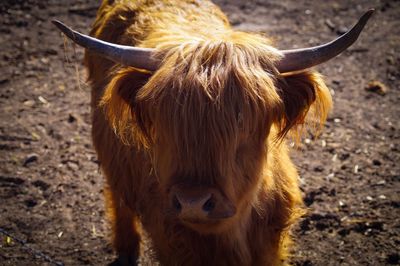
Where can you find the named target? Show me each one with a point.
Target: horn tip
(364, 19)
(62, 27)
(369, 13)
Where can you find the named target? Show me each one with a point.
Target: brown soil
(50, 185)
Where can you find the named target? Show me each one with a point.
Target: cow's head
(204, 110)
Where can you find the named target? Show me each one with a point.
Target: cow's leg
(126, 238)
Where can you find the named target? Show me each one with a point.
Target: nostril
(176, 204)
(209, 205)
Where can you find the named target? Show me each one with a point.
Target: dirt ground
(50, 184)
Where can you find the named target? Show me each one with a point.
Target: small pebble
(73, 166)
(377, 87)
(30, 158)
(381, 183)
(42, 100)
(342, 30)
(29, 103)
(330, 176)
(330, 24)
(356, 167)
(323, 143)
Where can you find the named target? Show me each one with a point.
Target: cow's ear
(306, 100)
(119, 101)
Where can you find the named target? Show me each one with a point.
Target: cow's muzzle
(199, 204)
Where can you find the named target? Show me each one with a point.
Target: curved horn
(127, 55)
(299, 59)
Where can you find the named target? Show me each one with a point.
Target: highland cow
(189, 124)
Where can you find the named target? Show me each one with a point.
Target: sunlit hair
(199, 80)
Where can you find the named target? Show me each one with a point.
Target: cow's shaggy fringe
(216, 113)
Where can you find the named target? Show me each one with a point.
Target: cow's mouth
(203, 226)
(200, 221)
